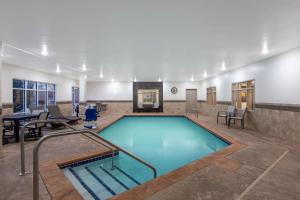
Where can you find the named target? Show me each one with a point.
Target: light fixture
(223, 66)
(192, 78)
(84, 67)
(112, 79)
(101, 74)
(205, 74)
(159, 79)
(265, 49)
(44, 51)
(57, 68)
(134, 80)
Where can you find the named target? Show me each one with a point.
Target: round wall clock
(174, 90)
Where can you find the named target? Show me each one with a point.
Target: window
(18, 96)
(28, 94)
(51, 94)
(243, 94)
(211, 96)
(148, 96)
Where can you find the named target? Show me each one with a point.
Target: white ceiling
(171, 39)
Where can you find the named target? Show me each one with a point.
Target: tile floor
(214, 181)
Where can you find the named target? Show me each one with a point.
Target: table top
(19, 116)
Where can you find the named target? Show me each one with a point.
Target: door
(75, 98)
(191, 99)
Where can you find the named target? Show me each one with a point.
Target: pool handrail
(22, 148)
(74, 132)
(22, 145)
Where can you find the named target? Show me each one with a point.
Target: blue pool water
(167, 143)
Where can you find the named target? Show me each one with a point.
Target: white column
(1, 53)
(82, 89)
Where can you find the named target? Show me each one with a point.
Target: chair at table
(239, 116)
(226, 114)
(35, 130)
(36, 109)
(7, 132)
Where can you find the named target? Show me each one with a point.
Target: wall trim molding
(271, 106)
(7, 105)
(174, 101)
(284, 107)
(224, 102)
(63, 102)
(109, 101)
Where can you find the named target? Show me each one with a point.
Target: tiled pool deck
(224, 175)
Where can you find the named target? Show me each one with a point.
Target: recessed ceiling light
(159, 79)
(57, 68)
(223, 66)
(44, 51)
(265, 49)
(192, 79)
(134, 80)
(101, 75)
(84, 67)
(205, 74)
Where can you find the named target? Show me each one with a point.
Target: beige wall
(114, 107)
(174, 107)
(123, 107)
(274, 122)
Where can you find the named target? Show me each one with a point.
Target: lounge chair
(35, 130)
(238, 116)
(55, 113)
(225, 114)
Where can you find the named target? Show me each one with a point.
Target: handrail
(126, 152)
(43, 139)
(22, 148)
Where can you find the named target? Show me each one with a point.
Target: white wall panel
(9, 72)
(109, 90)
(277, 80)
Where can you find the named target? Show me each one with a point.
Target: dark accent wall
(148, 85)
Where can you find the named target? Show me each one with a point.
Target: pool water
(167, 143)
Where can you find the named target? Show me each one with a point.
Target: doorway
(191, 100)
(75, 98)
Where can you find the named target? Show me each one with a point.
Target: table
(16, 119)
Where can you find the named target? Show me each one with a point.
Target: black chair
(8, 132)
(35, 130)
(231, 110)
(239, 116)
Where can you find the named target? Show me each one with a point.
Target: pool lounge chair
(55, 113)
(35, 130)
(225, 114)
(239, 116)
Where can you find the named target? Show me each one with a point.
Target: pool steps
(100, 181)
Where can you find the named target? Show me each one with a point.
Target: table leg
(16, 130)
